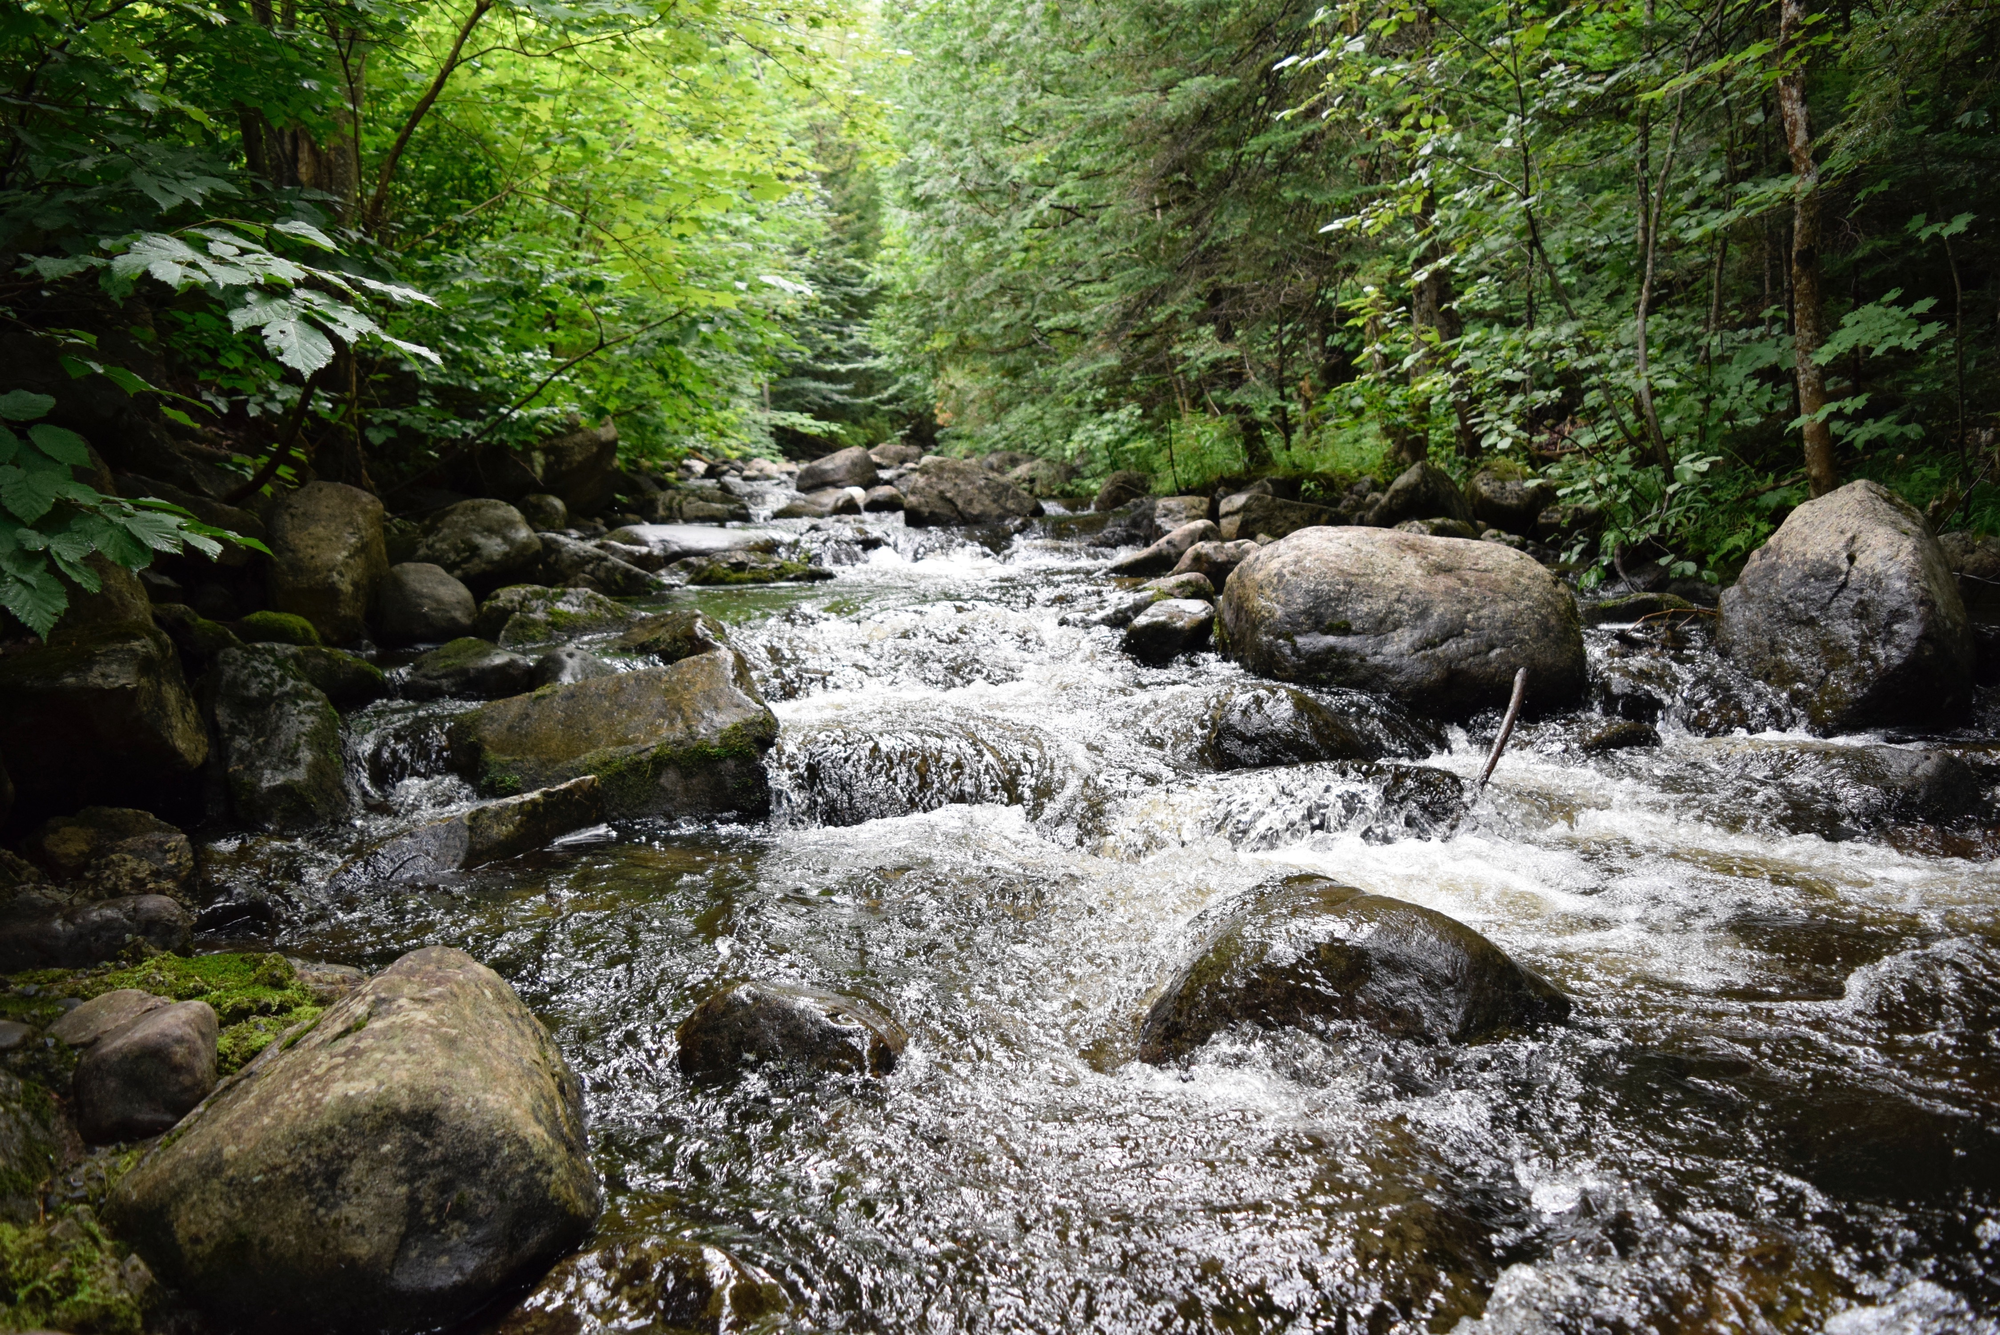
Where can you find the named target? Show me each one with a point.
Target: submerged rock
(757, 1024)
(1168, 628)
(414, 1153)
(1851, 608)
(502, 829)
(423, 603)
(685, 739)
(1619, 735)
(651, 1285)
(1310, 952)
(468, 667)
(945, 492)
(327, 557)
(748, 567)
(141, 1078)
(279, 736)
(1255, 725)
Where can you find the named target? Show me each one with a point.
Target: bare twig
(1506, 727)
(283, 449)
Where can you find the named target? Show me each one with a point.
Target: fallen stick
(1506, 727)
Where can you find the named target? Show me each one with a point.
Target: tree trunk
(1434, 308)
(1808, 316)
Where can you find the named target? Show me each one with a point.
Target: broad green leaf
(18, 405)
(60, 443)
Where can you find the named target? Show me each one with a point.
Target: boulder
(1618, 735)
(944, 492)
(140, 1079)
(1165, 554)
(1217, 560)
(684, 739)
(1120, 489)
(42, 931)
(835, 501)
(1443, 528)
(748, 567)
(1437, 623)
(423, 603)
(851, 467)
(488, 833)
(1510, 504)
(1309, 953)
(1131, 527)
(279, 738)
(894, 454)
(1256, 725)
(580, 468)
(197, 638)
(1422, 491)
(114, 851)
(569, 664)
(523, 615)
(672, 636)
(800, 1028)
(1852, 610)
(1253, 514)
(481, 543)
(1043, 479)
(345, 679)
(1181, 586)
(1004, 462)
(1170, 512)
(413, 1154)
(278, 628)
(569, 563)
(327, 556)
(882, 500)
(543, 511)
(469, 668)
(102, 718)
(1168, 628)
(103, 1014)
(652, 1284)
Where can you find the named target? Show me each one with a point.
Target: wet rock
(1510, 504)
(1249, 515)
(757, 1024)
(747, 567)
(197, 638)
(1254, 725)
(1170, 512)
(1852, 610)
(1168, 628)
(851, 467)
(524, 615)
(895, 454)
(1309, 953)
(1043, 479)
(1622, 735)
(569, 664)
(107, 852)
(428, 1112)
(1634, 607)
(945, 492)
(651, 1284)
(1438, 624)
(672, 636)
(469, 667)
(105, 717)
(31, 1148)
(1422, 491)
(1439, 528)
(327, 557)
(860, 767)
(1164, 554)
(685, 739)
(141, 1078)
(481, 543)
(543, 512)
(1121, 489)
(42, 931)
(1180, 586)
(279, 738)
(327, 983)
(423, 603)
(103, 1014)
(580, 467)
(348, 681)
(1217, 560)
(568, 563)
(882, 500)
(278, 628)
(645, 558)
(503, 829)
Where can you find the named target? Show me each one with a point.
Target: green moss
(68, 1274)
(277, 628)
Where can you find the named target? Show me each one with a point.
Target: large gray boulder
(1421, 491)
(1162, 555)
(1309, 953)
(414, 1153)
(945, 492)
(802, 1028)
(528, 615)
(423, 603)
(1851, 609)
(141, 1078)
(481, 543)
(279, 737)
(1168, 628)
(469, 668)
(327, 557)
(1510, 504)
(851, 467)
(1121, 488)
(1253, 514)
(40, 930)
(685, 739)
(1440, 624)
(580, 468)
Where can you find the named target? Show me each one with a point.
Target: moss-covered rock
(69, 1274)
(327, 557)
(672, 636)
(198, 639)
(106, 852)
(348, 681)
(743, 567)
(31, 1147)
(276, 628)
(685, 739)
(468, 667)
(280, 741)
(528, 614)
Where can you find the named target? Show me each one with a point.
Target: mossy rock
(69, 1274)
(198, 639)
(277, 628)
(528, 614)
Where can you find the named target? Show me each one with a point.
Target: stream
(1774, 1107)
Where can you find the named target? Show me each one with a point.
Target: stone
(568, 563)
(197, 638)
(945, 492)
(851, 467)
(748, 567)
(653, 1284)
(468, 668)
(1043, 479)
(104, 1013)
(1181, 586)
(645, 558)
(895, 454)
(116, 851)
(1217, 560)
(543, 511)
(1004, 462)
(481, 543)
(38, 931)
(14, 1035)
(882, 500)
(1256, 725)
(326, 983)
(817, 506)
(1310, 954)
(1439, 528)
(1165, 554)
(1130, 527)
(1510, 504)
(327, 556)
(1422, 491)
(421, 602)
(568, 664)
(524, 615)
(1635, 607)
(1121, 489)
(416, 1152)
(277, 628)
(684, 739)
(1251, 514)
(1170, 512)
(141, 1078)
(488, 833)
(279, 738)
(580, 467)
(103, 718)
(797, 1029)
(1168, 628)
(1436, 623)
(835, 501)
(1852, 610)
(672, 636)
(1619, 735)
(345, 679)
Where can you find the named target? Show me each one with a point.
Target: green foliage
(67, 1274)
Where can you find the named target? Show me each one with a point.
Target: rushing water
(1774, 1108)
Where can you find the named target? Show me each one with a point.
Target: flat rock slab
(503, 829)
(102, 1014)
(674, 541)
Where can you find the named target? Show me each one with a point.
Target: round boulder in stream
(418, 1150)
(944, 492)
(800, 1028)
(649, 1285)
(1310, 952)
(1440, 624)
